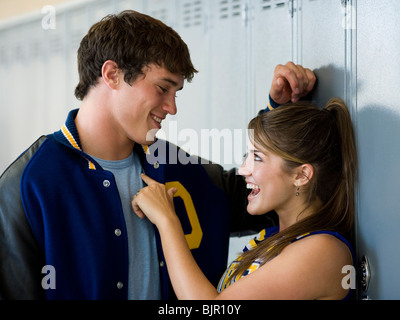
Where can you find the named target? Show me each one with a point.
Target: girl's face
(272, 187)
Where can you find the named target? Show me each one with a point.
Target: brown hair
(132, 40)
(301, 133)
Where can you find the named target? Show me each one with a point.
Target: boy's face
(139, 108)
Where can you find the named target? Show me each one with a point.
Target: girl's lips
(255, 190)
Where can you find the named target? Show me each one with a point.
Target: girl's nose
(246, 169)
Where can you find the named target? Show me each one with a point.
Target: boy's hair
(133, 40)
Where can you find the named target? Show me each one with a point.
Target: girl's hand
(154, 201)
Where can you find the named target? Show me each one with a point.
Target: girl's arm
(307, 269)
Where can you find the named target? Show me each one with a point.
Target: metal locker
(164, 10)
(228, 34)
(136, 5)
(6, 101)
(100, 9)
(321, 45)
(34, 106)
(194, 112)
(15, 101)
(271, 44)
(378, 131)
(77, 25)
(56, 75)
(229, 76)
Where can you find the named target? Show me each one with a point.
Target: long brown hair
(302, 133)
(133, 40)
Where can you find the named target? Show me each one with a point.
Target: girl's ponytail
(344, 193)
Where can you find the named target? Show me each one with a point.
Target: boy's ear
(111, 74)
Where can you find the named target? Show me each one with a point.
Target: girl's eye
(255, 156)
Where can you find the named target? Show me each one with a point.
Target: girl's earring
(297, 191)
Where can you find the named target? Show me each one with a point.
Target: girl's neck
(295, 214)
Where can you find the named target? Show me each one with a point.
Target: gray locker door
(163, 10)
(378, 131)
(271, 45)
(194, 112)
(228, 84)
(321, 45)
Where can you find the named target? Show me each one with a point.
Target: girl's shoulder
(316, 245)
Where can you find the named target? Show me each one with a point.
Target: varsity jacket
(62, 229)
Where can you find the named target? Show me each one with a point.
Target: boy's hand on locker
(291, 82)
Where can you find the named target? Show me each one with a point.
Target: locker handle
(365, 273)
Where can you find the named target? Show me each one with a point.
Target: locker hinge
(291, 8)
(345, 3)
(245, 14)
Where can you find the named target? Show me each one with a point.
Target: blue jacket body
(74, 221)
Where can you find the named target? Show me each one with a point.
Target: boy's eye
(163, 89)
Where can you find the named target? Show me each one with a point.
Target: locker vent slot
(266, 4)
(271, 4)
(76, 38)
(192, 13)
(35, 49)
(18, 52)
(230, 8)
(77, 25)
(55, 44)
(160, 14)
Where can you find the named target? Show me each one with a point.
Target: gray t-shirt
(144, 274)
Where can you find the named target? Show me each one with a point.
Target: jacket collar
(68, 135)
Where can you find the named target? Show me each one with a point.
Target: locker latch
(365, 273)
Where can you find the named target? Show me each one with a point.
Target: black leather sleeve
(21, 258)
(234, 185)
